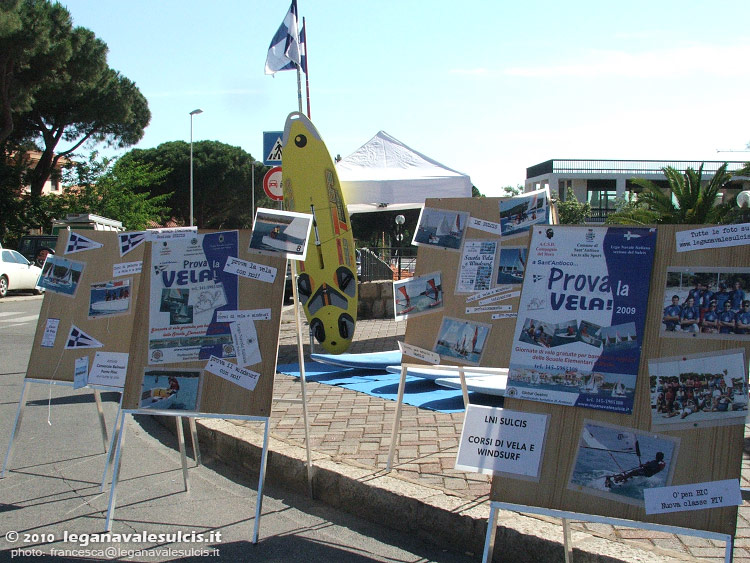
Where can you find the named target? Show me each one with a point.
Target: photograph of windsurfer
(699, 390)
(709, 303)
(462, 340)
(175, 302)
(619, 463)
(166, 389)
(441, 228)
(418, 295)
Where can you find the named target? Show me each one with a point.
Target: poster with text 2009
(188, 287)
(580, 321)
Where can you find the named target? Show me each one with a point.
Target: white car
(17, 273)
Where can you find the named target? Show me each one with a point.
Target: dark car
(36, 247)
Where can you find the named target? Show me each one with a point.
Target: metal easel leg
(397, 418)
(181, 443)
(115, 471)
(116, 429)
(102, 422)
(489, 539)
(16, 424)
(194, 437)
(567, 542)
(464, 391)
(729, 550)
(261, 480)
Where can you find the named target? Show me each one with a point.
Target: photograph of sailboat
(518, 214)
(441, 228)
(418, 295)
(109, 298)
(462, 340)
(171, 389)
(284, 232)
(60, 275)
(512, 265)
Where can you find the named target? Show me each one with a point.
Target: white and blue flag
(79, 243)
(284, 50)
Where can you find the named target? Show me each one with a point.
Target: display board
(88, 310)
(683, 426)
(206, 328)
(462, 302)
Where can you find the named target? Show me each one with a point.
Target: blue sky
(485, 87)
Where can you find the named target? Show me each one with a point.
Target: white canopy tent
(384, 175)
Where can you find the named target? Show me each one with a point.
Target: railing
(635, 167)
(387, 263)
(598, 215)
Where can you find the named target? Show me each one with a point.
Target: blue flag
(284, 50)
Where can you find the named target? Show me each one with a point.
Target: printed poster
(477, 265)
(579, 332)
(188, 287)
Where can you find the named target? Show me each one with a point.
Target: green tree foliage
(115, 190)
(475, 192)
(222, 179)
(33, 45)
(688, 200)
(571, 211)
(76, 99)
(510, 191)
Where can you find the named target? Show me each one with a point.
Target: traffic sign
(272, 147)
(272, 184)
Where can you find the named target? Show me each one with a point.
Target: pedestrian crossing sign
(272, 147)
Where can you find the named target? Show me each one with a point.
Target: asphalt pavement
(54, 510)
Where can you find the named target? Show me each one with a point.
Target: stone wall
(375, 300)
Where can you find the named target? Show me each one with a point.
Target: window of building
(562, 189)
(601, 196)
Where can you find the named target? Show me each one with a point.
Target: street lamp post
(192, 113)
(400, 219)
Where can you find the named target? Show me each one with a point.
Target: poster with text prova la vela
(580, 321)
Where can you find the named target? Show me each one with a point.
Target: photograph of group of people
(700, 388)
(711, 303)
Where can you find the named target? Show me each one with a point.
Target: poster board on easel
(83, 333)
(88, 308)
(700, 442)
(170, 336)
(470, 265)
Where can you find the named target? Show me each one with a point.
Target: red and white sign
(272, 184)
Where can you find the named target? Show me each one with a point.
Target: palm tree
(688, 201)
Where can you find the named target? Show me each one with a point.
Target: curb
(434, 515)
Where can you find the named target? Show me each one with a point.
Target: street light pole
(400, 219)
(192, 113)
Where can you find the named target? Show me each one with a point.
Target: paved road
(53, 488)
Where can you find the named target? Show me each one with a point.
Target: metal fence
(386, 263)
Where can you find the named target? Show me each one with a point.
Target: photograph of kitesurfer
(441, 228)
(281, 232)
(171, 389)
(462, 340)
(518, 214)
(61, 275)
(418, 295)
(619, 463)
(706, 303)
(698, 390)
(512, 265)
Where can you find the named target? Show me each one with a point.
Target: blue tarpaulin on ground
(418, 392)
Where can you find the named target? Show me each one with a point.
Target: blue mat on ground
(418, 392)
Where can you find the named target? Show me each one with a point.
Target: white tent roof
(385, 174)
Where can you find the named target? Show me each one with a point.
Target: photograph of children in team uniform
(707, 389)
(618, 463)
(711, 303)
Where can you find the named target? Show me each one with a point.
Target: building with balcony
(600, 182)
